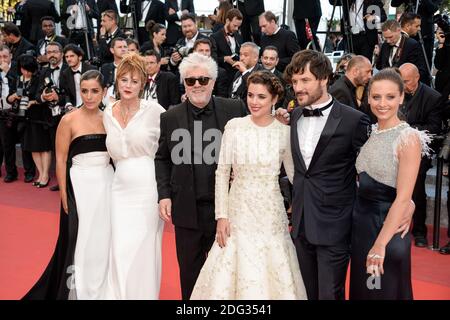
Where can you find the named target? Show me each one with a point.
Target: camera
(235, 57)
(182, 50)
(19, 107)
(49, 86)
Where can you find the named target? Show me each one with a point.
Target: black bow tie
(55, 68)
(316, 112)
(75, 72)
(230, 34)
(199, 111)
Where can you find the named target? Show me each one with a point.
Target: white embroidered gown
(259, 260)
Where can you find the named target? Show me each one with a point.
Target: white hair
(252, 45)
(196, 60)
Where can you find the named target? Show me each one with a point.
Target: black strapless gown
(372, 205)
(53, 284)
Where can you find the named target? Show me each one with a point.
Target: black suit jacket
(22, 47)
(33, 11)
(324, 193)
(223, 49)
(67, 83)
(242, 89)
(156, 12)
(104, 5)
(173, 29)
(286, 43)
(167, 89)
(307, 9)
(176, 181)
(251, 7)
(107, 71)
(344, 92)
(46, 72)
(372, 33)
(411, 52)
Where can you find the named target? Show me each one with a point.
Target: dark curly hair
(269, 80)
(319, 65)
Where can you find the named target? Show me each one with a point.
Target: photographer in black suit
(398, 49)
(228, 42)
(175, 9)
(251, 9)
(48, 28)
(285, 40)
(108, 32)
(144, 11)
(422, 109)
(17, 44)
(186, 187)
(161, 86)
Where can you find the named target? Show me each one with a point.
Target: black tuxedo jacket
(251, 7)
(223, 49)
(242, 90)
(22, 47)
(46, 72)
(324, 193)
(412, 53)
(344, 92)
(104, 5)
(156, 12)
(67, 83)
(103, 46)
(286, 43)
(222, 84)
(33, 11)
(372, 33)
(41, 42)
(167, 89)
(176, 181)
(107, 71)
(307, 9)
(173, 29)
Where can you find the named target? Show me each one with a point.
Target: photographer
(16, 42)
(22, 95)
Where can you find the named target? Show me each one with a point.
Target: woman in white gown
(79, 264)
(254, 256)
(132, 127)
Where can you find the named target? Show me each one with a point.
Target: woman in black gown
(387, 166)
(78, 268)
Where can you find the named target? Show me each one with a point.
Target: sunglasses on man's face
(203, 81)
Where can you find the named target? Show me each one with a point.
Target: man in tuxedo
(358, 74)
(17, 44)
(398, 49)
(161, 86)
(228, 42)
(118, 49)
(144, 11)
(306, 9)
(186, 183)
(48, 28)
(422, 110)
(175, 9)
(325, 137)
(70, 78)
(269, 60)
(33, 12)
(248, 63)
(251, 9)
(79, 21)
(362, 18)
(51, 95)
(410, 23)
(204, 46)
(285, 40)
(108, 32)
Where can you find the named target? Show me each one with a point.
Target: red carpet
(29, 228)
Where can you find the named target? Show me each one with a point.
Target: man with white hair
(189, 140)
(248, 63)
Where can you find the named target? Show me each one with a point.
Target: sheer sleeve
(407, 136)
(223, 172)
(288, 162)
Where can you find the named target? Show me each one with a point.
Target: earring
(273, 110)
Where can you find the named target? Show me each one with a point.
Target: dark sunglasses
(203, 81)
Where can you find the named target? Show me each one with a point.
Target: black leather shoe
(445, 249)
(10, 178)
(420, 242)
(54, 188)
(28, 178)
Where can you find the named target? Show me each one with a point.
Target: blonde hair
(132, 63)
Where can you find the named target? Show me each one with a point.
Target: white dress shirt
(309, 130)
(5, 91)
(393, 51)
(76, 79)
(56, 73)
(190, 43)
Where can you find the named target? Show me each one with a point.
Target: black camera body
(183, 51)
(235, 57)
(19, 107)
(48, 87)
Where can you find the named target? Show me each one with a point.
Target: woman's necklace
(126, 115)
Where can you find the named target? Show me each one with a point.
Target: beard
(309, 98)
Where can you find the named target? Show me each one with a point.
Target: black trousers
(250, 27)
(301, 32)
(362, 45)
(323, 268)
(420, 199)
(193, 246)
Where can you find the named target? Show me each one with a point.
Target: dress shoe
(54, 188)
(35, 183)
(445, 249)
(28, 178)
(10, 178)
(420, 242)
(43, 185)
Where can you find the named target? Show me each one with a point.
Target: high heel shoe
(43, 185)
(36, 183)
